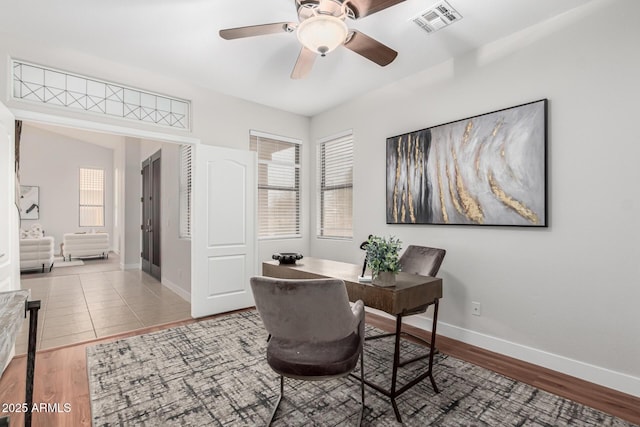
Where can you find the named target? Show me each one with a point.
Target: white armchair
(36, 250)
(82, 245)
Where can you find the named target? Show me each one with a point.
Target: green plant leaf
(382, 254)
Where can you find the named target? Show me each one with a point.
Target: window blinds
(185, 191)
(91, 197)
(278, 186)
(335, 170)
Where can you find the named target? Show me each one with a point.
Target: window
(185, 191)
(335, 178)
(56, 87)
(278, 185)
(91, 197)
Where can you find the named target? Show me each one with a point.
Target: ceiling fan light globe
(322, 33)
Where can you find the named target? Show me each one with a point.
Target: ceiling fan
(322, 29)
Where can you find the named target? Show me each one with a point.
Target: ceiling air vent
(437, 17)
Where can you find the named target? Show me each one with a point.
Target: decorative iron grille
(54, 87)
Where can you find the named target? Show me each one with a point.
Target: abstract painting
(489, 169)
(29, 202)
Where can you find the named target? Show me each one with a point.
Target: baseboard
(177, 289)
(595, 374)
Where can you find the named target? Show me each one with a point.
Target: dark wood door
(151, 216)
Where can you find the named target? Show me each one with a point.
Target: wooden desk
(411, 292)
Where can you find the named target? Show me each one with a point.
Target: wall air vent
(437, 17)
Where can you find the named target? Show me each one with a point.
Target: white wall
(176, 251)
(52, 162)
(130, 236)
(566, 296)
(119, 166)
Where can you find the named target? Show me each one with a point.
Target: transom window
(36, 83)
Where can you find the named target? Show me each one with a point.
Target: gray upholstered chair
(424, 261)
(314, 333)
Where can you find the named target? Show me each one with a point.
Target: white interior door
(223, 242)
(9, 244)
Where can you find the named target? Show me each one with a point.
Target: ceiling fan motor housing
(309, 8)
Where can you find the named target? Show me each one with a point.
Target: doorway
(151, 216)
(183, 248)
(115, 296)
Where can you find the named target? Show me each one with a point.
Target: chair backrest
(422, 260)
(309, 310)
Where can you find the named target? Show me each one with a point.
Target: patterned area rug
(214, 373)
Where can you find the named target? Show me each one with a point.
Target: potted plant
(383, 260)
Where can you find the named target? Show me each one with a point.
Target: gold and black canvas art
(485, 170)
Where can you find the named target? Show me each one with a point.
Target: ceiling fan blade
(257, 30)
(304, 63)
(371, 49)
(362, 8)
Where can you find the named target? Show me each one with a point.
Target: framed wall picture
(29, 202)
(489, 169)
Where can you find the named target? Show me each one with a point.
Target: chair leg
(275, 408)
(361, 387)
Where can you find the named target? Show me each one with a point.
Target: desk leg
(32, 307)
(396, 362)
(432, 349)
(394, 392)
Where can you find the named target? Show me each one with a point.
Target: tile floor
(96, 300)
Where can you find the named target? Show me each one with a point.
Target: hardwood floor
(602, 398)
(61, 377)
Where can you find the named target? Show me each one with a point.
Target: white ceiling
(105, 140)
(179, 38)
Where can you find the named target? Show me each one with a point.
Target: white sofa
(36, 253)
(81, 245)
